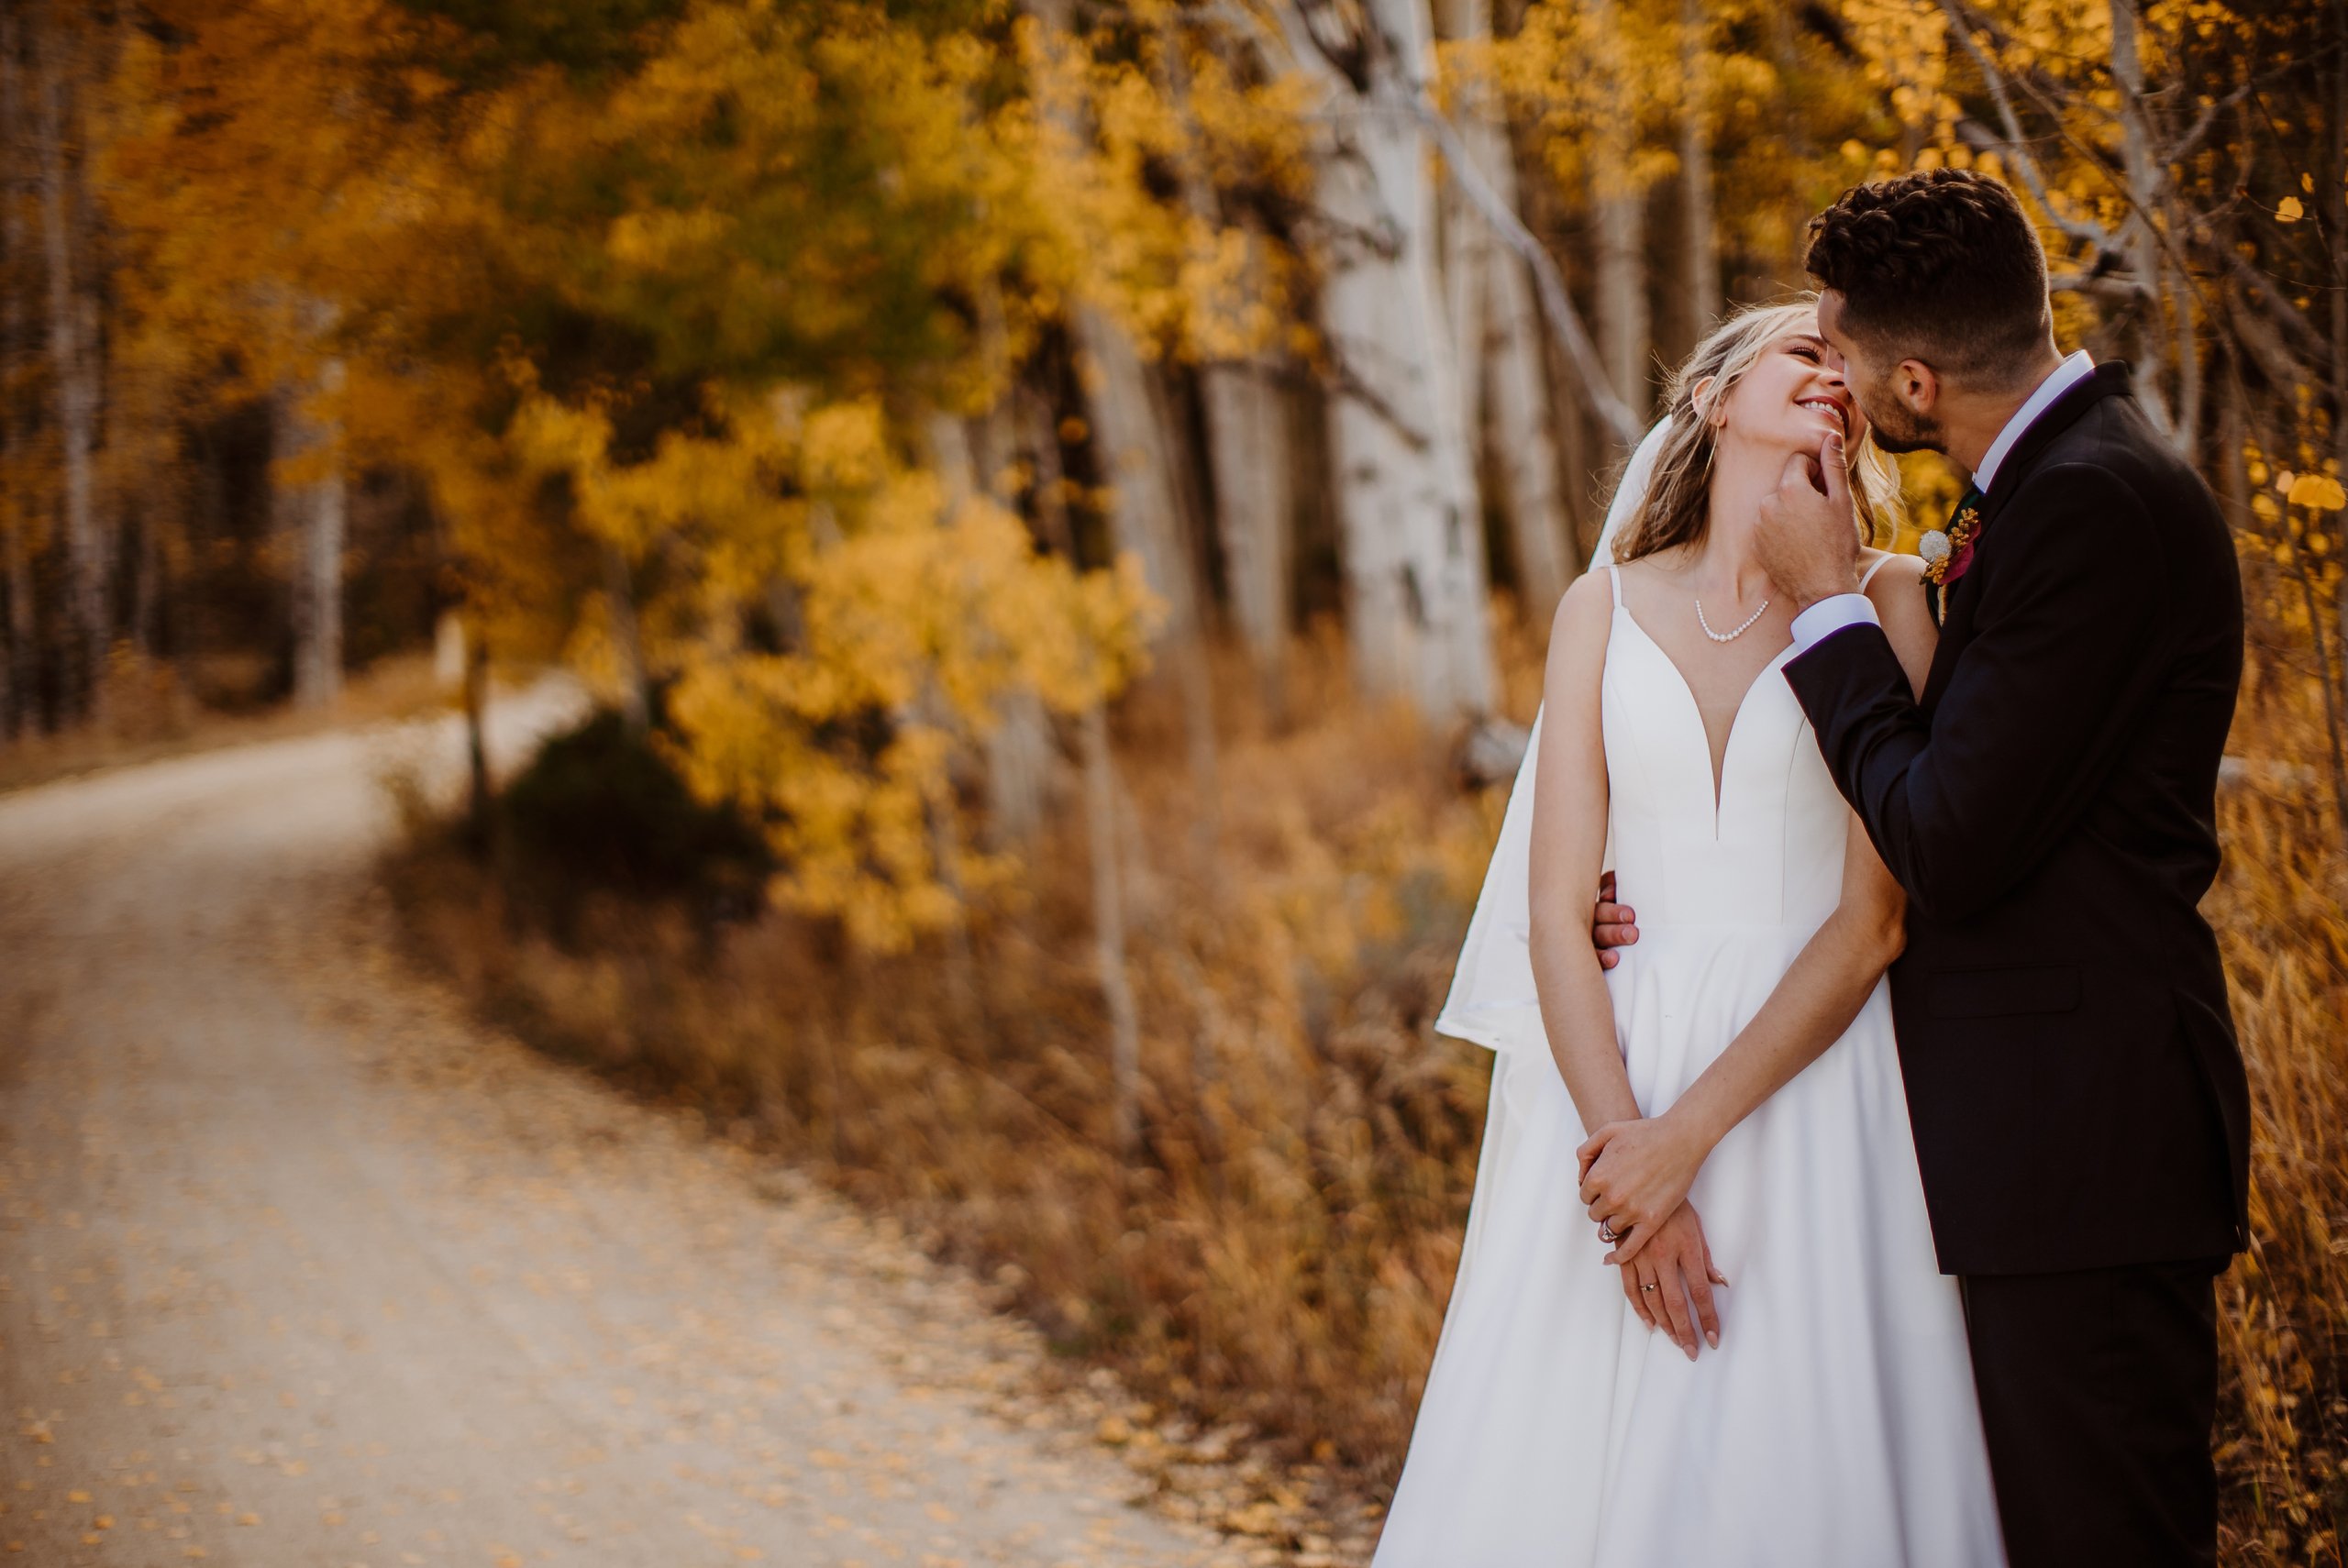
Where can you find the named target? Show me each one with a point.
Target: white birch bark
(314, 515)
(74, 373)
(1405, 485)
(1136, 455)
(1017, 750)
(1507, 408)
(2141, 170)
(1245, 438)
(1699, 214)
(1525, 464)
(1624, 335)
(1099, 764)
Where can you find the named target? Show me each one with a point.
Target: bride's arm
(1670, 1284)
(1568, 842)
(1635, 1173)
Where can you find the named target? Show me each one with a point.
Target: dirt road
(299, 1267)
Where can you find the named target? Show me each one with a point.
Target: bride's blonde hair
(1677, 508)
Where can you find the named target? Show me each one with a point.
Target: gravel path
(298, 1266)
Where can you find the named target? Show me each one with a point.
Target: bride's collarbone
(1717, 661)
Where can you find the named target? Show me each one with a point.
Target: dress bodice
(1770, 851)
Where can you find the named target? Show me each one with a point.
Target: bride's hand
(1635, 1173)
(1675, 1269)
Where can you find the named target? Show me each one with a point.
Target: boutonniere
(1947, 552)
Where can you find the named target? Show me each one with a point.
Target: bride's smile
(1792, 395)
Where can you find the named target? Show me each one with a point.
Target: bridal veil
(1492, 1003)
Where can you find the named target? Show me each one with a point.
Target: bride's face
(1794, 394)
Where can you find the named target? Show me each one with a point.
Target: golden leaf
(2320, 490)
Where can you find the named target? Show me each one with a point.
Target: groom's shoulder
(2116, 435)
(2114, 457)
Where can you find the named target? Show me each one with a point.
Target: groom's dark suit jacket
(2073, 1079)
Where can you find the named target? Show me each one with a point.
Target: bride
(1752, 1358)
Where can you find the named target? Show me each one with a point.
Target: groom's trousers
(2097, 1391)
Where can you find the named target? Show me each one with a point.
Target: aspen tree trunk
(1623, 333)
(24, 669)
(2333, 182)
(2142, 241)
(627, 639)
(314, 513)
(1145, 516)
(1467, 245)
(1020, 744)
(147, 584)
(1247, 441)
(1099, 766)
(1699, 214)
(478, 800)
(1409, 518)
(74, 375)
(1244, 438)
(1137, 457)
(2234, 471)
(1526, 465)
(1503, 359)
(17, 674)
(1019, 748)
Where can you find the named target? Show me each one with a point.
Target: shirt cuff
(1830, 615)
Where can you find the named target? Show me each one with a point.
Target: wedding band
(1650, 1288)
(1606, 1234)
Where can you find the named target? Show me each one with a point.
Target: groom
(2081, 1115)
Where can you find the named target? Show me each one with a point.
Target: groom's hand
(1808, 533)
(1611, 924)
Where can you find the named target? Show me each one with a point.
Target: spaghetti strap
(1881, 561)
(1614, 575)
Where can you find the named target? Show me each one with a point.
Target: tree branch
(1557, 305)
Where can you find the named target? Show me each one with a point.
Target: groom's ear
(1918, 385)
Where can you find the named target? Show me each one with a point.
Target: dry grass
(2277, 910)
(1280, 1252)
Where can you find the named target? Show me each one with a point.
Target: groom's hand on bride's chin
(1807, 535)
(1611, 924)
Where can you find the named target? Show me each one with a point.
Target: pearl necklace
(1728, 637)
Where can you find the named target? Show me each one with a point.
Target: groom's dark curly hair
(1941, 265)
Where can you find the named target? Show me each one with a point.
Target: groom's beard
(1904, 431)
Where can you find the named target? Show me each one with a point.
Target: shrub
(600, 813)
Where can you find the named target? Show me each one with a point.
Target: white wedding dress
(1836, 1426)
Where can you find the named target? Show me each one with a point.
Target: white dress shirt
(1834, 613)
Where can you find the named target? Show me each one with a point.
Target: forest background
(1061, 502)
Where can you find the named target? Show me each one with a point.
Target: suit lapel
(1955, 632)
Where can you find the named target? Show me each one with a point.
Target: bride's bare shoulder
(1577, 631)
(1589, 598)
(1890, 572)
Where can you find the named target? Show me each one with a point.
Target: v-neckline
(1728, 746)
